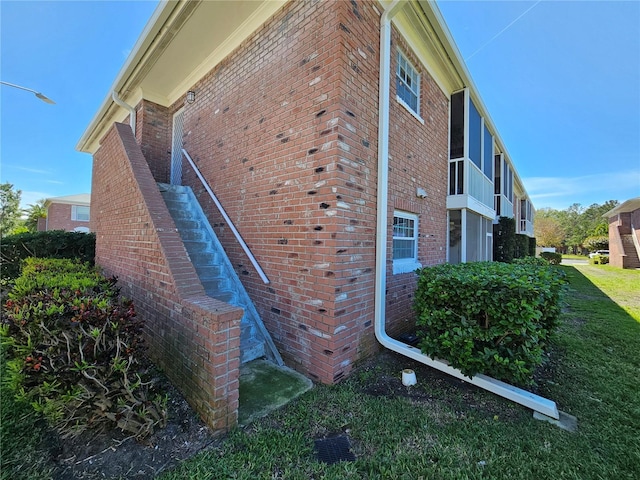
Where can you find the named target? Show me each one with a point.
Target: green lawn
(444, 429)
(449, 431)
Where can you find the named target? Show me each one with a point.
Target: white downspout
(129, 108)
(528, 399)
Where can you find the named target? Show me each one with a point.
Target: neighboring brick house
(340, 192)
(71, 213)
(624, 234)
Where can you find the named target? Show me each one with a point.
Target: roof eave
(122, 82)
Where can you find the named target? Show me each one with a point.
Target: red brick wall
(195, 339)
(154, 125)
(616, 250)
(59, 218)
(285, 131)
(418, 157)
(621, 225)
(269, 131)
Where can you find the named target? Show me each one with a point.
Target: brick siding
(285, 131)
(418, 157)
(59, 218)
(193, 338)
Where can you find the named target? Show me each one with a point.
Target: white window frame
(414, 77)
(406, 265)
(75, 216)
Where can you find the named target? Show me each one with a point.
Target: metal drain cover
(334, 449)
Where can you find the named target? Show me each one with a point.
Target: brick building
(71, 213)
(347, 144)
(624, 234)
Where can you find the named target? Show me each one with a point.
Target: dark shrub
(52, 244)
(504, 239)
(491, 318)
(552, 257)
(532, 247)
(522, 246)
(75, 350)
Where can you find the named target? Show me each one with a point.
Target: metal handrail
(242, 243)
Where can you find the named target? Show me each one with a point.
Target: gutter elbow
(129, 108)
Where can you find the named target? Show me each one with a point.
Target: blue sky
(561, 80)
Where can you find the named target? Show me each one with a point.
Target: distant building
(71, 213)
(624, 234)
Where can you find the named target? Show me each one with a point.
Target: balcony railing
(480, 187)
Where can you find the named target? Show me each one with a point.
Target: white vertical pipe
(528, 399)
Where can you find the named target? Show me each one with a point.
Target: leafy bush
(552, 258)
(488, 317)
(521, 246)
(75, 350)
(52, 244)
(599, 260)
(504, 239)
(532, 247)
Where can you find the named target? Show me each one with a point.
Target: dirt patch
(381, 377)
(112, 455)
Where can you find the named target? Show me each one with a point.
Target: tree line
(14, 219)
(576, 229)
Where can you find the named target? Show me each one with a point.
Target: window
(475, 135)
(456, 177)
(487, 159)
(408, 84)
(405, 242)
(456, 132)
(79, 213)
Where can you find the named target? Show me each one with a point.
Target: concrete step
(187, 224)
(203, 258)
(224, 296)
(215, 271)
(216, 283)
(264, 387)
(206, 272)
(192, 235)
(197, 246)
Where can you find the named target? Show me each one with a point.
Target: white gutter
(523, 397)
(132, 111)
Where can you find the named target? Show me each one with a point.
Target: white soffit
(182, 42)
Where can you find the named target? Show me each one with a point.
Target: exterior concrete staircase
(630, 251)
(215, 271)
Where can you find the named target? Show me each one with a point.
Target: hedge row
(52, 244)
(489, 317)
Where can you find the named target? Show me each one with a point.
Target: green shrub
(521, 246)
(532, 247)
(75, 350)
(488, 317)
(504, 239)
(52, 244)
(599, 260)
(552, 258)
